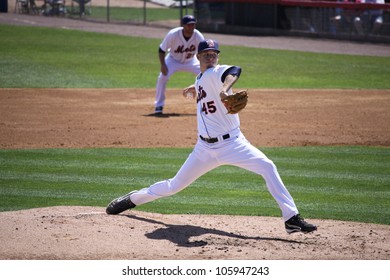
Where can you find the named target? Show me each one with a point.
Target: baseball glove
(236, 102)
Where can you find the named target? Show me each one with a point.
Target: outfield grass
(344, 183)
(34, 57)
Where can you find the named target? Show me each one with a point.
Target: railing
(316, 18)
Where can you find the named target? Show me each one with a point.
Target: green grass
(33, 57)
(343, 183)
(65, 58)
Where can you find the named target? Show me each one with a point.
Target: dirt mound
(84, 233)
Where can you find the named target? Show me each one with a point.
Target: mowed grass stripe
(326, 182)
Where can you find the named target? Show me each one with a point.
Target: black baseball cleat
(158, 110)
(120, 204)
(298, 224)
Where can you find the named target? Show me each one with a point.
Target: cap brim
(210, 49)
(190, 22)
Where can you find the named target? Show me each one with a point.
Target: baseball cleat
(159, 110)
(120, 204)
(298, 224)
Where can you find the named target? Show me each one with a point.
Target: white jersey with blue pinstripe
(212, 117)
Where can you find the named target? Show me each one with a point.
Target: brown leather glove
(236, 102)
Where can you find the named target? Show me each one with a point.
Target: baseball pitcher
(220, 142)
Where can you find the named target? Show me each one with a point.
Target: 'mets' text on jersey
(190, 50)
(212, 116)
(180, 49)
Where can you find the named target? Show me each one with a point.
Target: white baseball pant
(173, 66)
(235, 151)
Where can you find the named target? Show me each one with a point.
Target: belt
(214, 140)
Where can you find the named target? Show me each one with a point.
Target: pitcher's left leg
(250, 158)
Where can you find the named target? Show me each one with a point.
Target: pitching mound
(84, 233)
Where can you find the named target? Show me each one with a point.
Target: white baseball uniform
(220, 142)
(181, 57)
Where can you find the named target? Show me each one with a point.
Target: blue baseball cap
(187, 19)
(207, 45)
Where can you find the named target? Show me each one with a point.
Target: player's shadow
(181, 234)
(169, 115)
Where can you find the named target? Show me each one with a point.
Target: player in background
(220, 142)
(181, 43)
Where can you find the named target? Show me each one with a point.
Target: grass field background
(345, 183)
(56, 58)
